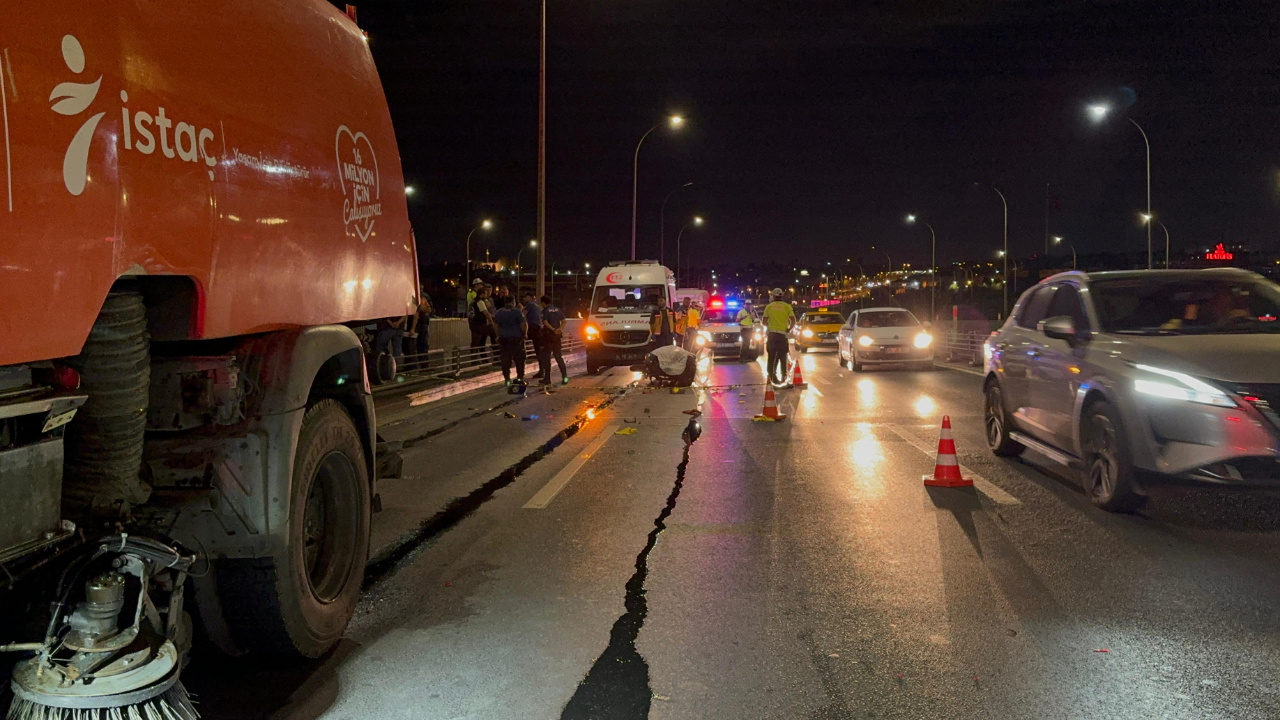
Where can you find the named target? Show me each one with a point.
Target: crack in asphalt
(388, 561)
(410, 442)
(617, 686)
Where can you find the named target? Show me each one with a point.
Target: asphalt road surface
(555, 568)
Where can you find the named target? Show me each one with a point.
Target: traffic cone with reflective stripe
(770, 411)
(797, 380)
(946, 470)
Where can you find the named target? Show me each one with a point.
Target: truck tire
(297, 602)
(104, 440)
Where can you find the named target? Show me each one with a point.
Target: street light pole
(484, 225)
(1147, 143)
(933, 268)
(542, 152)
(674, 121)
(519, 267)
(1147, 219)
(1004, 252)
(696, 221)
(662, 224)
(1057, 239)
(1099, 111)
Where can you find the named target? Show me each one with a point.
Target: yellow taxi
(816, 329)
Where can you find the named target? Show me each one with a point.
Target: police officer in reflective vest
(746, 322)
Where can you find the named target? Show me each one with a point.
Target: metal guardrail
(453, 363)
(965, 348)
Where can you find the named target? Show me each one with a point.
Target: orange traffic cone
(797, 380)
(770, 411)
(946, 470)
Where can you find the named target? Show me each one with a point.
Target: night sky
(814, 126)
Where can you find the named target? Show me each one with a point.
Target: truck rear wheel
(298, 601)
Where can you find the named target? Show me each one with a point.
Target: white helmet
(776, 292)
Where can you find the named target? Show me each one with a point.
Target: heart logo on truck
(358, 177)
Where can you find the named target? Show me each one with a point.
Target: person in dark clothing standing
(662, 325)
(480, 319)
(537, 335)
(511, 331)
(419, 324)
(553, 322)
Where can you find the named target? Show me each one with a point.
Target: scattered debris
(694, 412)
(661, 697)
(761, 418)
(626, 431)
(1011, 632)
(508, 415)
(448, 584)
(833, 655)
(1102, 650)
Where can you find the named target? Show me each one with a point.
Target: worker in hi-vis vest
(746, 322)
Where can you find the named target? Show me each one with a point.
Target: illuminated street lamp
(520, 268)
(409, 190)
(697, 221)
(1146, 219)
(1098, 112)
(933, 266)
(674, 122)
(1057, 239)
(484, 225)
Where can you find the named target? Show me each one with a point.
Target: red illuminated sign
(1219, 253)
(823, 303)
(613, 277)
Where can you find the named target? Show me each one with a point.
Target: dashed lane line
(543, 497)
(984, 486)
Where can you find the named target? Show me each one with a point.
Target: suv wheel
(995, 423)
(1108, 465)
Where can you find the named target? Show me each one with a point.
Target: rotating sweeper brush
(111, 651)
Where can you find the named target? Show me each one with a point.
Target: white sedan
(883, 335)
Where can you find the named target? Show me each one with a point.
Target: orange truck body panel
(244, 145)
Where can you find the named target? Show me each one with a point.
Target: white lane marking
(816, 391)
(985, 486)
(958, 368)
(553, 487)
(822, 380)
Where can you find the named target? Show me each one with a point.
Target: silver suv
(1142, 376)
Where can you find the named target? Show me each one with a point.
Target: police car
(719, 331)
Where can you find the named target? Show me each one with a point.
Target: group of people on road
(675, 326)
(679, 326)
(499, 319)
(406, 334)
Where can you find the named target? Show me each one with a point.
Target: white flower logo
(71, 98)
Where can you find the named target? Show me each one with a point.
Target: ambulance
(625, 297)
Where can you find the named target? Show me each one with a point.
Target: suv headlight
(1174, 385)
